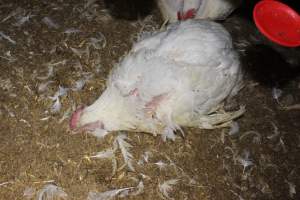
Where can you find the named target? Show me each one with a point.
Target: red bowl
(278, 22)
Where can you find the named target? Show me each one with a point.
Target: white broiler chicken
(173, 78)
(174, 10)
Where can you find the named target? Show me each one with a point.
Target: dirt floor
(56, 56)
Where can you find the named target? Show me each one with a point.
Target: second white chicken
(174, 10)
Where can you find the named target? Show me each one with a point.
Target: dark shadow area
(263, 60)
(268, 67)
(130, 9)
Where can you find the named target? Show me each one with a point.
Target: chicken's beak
(189, 14)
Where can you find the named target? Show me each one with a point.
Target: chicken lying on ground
(177, 77)
(174, 10)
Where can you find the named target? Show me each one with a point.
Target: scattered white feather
(108, 195)
(49, 74)
(71, 31)
(6, 183)
(222, 137)
(98, 42)
(97, 65)
(57, 105)
(168, 133)
(234, 128)
(166, 187)
(12, 14)
(44, 86)
(108, 153)
(256, 139)
(79, 85)
(50, 23)
(121, 193)
(245, 161)
(81, 82)
(61, 62)
(276, 93)
(275, 134)
(161, 165)
(4, 36)
(29, 192)
(144, 176)
(22, 20)
(236, 194)
(292, 189)
(145, 158)
(99, 133)
(6, 84)
(79, 52)
(25, 122)
(88, 3)
(78, 66)
(65, 116)
(8, 57)
(291, 107)
(50, 191)
(45, 118)
(55, 108)
(10, 113)
(140, 189)
(281, 145)
(124, 147)
(61, 92)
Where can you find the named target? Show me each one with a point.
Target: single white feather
(49, 74)
(71, 31)
(234, 128)
(56, 106)
(161, 165)
(123, 192)
(29, 192)
(81, 82)
(99, 133)
(13, 13)
(50, 23)
(50, 192)
(22, 20)
(124, 147)
(145, 158)
(166, 187)
(98, 42)
(292, 189)
(276, 93)
(108, 153)
(3, 35)
(245, 161)
(79, 52)
(108, 195)
(44, 86)
(140, 189)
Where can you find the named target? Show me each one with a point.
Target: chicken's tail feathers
(217, 119)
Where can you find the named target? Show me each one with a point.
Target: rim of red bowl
(276, 5)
